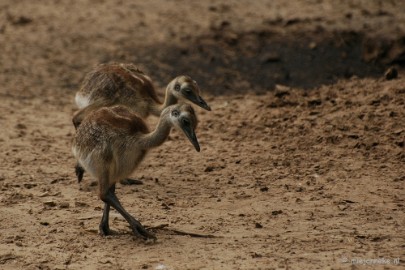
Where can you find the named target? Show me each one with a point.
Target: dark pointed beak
(192, 137)
(199, 101)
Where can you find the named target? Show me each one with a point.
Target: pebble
(64, 205)
(391, 73)
(50, 203)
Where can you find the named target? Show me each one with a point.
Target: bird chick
(112, 141)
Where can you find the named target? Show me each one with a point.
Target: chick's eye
(175, 113)
(177, 87)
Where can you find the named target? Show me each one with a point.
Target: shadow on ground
(223, 61)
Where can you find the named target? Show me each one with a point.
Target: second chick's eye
(175, 113)
(177, 87)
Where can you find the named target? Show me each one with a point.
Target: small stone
(105, 261)
(258, 225)
(276, 212)
(20, 126)
(21, 20)
(391, 73)
(264, 189)
(256, 255)
(18, 244)
(50, 203)
(299, 189)
(161, 267)
(212, 8)
(209, 169)
(343, 207)
(81, 204)
(64, 205)
(29, 185)
(225, 24)
(314, 102)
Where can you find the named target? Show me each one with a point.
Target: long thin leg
(79, 172)
(111, 199)
(104, 227)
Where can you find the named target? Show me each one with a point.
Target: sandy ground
(302, 161)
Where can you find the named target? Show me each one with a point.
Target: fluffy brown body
(124, 84)
(112, 141)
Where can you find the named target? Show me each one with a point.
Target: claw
(104, 231)
(141, 232)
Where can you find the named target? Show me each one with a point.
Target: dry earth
(302, 161)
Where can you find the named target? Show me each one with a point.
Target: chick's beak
(192, 137)
(203, 104)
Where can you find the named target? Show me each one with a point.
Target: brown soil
(302, 161)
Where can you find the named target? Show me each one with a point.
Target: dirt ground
(302, 160)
